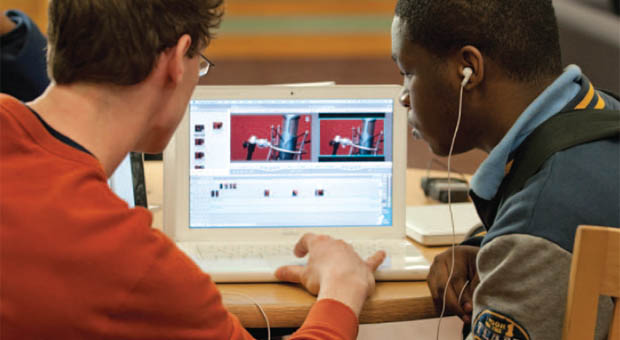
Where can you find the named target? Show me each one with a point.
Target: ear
(470, 56)
(176, 62)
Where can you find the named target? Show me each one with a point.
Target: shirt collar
(555, 98)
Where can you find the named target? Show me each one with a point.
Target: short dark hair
(118, 41)
(520, 35)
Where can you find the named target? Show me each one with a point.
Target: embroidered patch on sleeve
(491, 325)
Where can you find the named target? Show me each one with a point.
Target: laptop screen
(290, 163)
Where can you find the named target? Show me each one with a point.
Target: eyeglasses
(205, 65)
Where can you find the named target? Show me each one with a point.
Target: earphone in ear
(467, 72)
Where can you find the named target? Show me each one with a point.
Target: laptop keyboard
(282, 252)
(257, 261)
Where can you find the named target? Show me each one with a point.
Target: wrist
(351, 292)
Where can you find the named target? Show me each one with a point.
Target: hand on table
(334, 270)
(464, 270)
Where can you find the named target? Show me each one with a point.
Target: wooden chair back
(595, 271)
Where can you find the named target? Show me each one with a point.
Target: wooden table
(287, 305)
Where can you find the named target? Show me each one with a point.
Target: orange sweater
(76, 262)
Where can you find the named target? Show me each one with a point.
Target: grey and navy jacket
(525, 257)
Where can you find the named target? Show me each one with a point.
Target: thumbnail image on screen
(285, 137)
(352, 138)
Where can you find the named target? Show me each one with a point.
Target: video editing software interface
(290, 163)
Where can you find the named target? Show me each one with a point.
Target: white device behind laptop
(121, 182)
(252, 168)
(430, 224)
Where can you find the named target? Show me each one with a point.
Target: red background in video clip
(330, 128)
(242, 127)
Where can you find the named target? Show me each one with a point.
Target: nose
(404, 98)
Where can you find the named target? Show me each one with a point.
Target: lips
(410, 116)
(415, 131)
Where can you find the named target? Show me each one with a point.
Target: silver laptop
(252, 168)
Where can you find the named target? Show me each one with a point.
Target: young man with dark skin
(515, 281)
(76, 262)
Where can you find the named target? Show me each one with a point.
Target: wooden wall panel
(308, 7)
(284, 28)
(304, 29)
(36, 9)
(299, 47)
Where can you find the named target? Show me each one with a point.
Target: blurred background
(348, 42)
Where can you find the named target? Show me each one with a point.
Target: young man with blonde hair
(75, 261)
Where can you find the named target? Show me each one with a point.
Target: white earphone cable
(259, 308)
(456, 130)
(462, 290)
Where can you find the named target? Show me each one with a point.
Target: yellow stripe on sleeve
(587, 99)
(600, 104)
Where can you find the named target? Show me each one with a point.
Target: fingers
(468, 308)
(303, 245)
(451, 299)
(440, 287)
(468, 298)
(290, 273)
(466, 303)
(468, 291)
(453, 305)
(436, 281)
(436, 294)
(375, 260)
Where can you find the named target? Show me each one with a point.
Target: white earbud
(467, 72)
